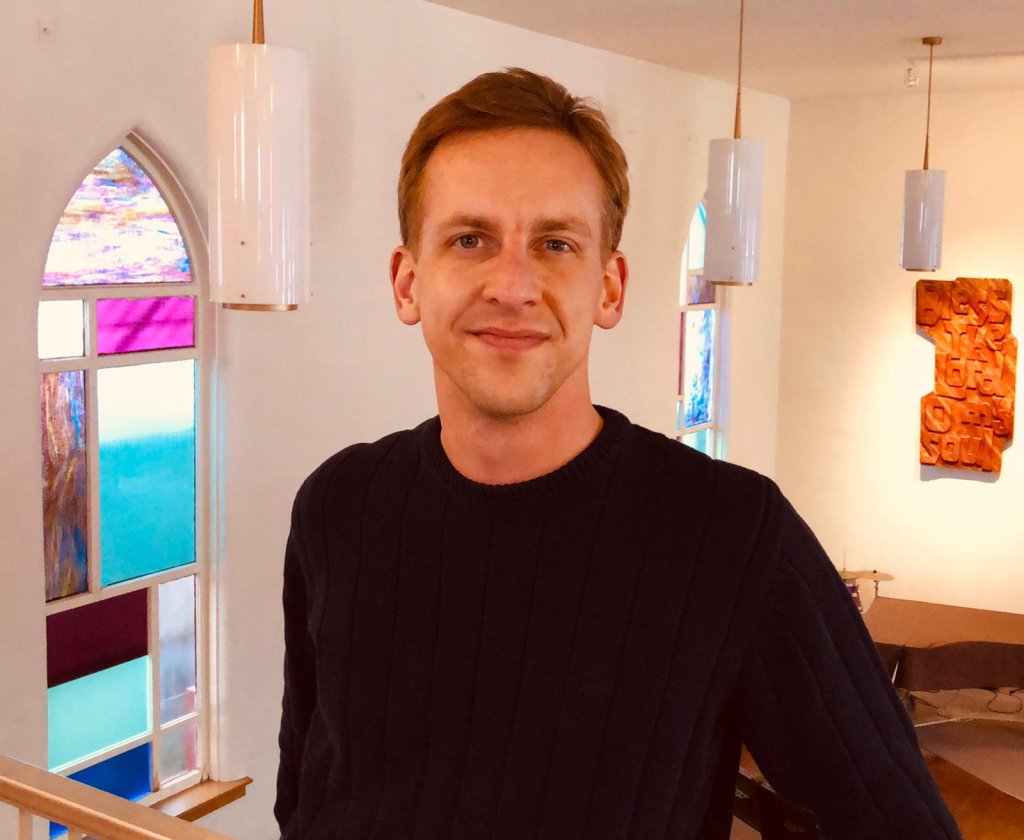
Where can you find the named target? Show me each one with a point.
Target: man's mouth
(506, 339)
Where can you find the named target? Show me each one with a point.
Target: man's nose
(512, 278)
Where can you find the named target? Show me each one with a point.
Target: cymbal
(864, 574)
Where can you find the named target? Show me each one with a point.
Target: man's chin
(506, 405)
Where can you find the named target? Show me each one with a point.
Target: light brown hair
(515, 98)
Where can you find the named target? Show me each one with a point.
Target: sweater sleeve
(819, 713)
(299, 698)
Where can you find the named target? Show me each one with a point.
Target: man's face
(509, 275)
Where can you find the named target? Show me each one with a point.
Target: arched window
(124, 480)
(699, 346)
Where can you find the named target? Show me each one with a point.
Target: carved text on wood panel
(968, 419)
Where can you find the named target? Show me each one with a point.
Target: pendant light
(258, 133)
(923, 195)
(735, 187)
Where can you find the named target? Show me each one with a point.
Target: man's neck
(505, 450)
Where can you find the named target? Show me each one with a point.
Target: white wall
(853, 367)
(294, 388)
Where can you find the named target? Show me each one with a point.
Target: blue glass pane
(127, 775)
(698, 366)
(147, 468)
(99, 711)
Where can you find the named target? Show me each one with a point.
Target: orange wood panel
(967, 420)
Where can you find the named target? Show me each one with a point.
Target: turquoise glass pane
(117, 228)
(147, 448)
(128, 775)
(698, 366)
(99, 711)
(65, 484)
(702, 441)
(177, 648)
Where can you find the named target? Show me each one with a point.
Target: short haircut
(515, 98)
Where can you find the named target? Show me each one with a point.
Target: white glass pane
(695, 242)
(177, 649)
(179, 753)
(61, 329)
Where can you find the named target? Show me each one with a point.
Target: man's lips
(505, 339)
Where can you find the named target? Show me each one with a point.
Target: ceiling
(794, 48)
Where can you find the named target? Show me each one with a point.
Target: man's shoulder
(357, 463)
(685, 462)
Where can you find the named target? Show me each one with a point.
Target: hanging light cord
(739, 78)
(257, 23)
(931, 41)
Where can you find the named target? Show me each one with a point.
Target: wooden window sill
(202, 799)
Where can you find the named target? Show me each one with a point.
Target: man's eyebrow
(575, 224)
(467, 220)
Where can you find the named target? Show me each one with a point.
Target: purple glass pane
(125, 325)
(65, 486)
(117, 228)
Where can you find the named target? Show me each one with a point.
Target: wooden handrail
(86, 809)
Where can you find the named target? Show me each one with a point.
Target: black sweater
(575, 656)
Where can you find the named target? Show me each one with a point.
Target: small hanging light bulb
(910, 78)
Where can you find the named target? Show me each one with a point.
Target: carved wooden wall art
(968, 419)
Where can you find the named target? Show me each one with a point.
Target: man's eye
(468, 240)
(558, 245)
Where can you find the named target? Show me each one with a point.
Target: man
(528, 618)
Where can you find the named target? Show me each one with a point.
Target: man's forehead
(479, 173)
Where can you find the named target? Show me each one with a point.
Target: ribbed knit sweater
(575, 656)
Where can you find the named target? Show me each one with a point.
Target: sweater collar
(587, 471)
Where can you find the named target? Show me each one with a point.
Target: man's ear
(403, 276)
(613, 293)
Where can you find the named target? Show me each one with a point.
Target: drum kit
(852, 580)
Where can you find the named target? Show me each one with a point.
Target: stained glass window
(61, 329)
(699, 307)
(96, 636)
(119, 395)
(99, 711)
(177, 649)
(178, 753)
(126, 774)
(147, 468)
(65, 484)
(698, 366)
(126, 325)
(117, 228)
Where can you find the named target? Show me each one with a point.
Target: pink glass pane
(117, 228)
(126, 325)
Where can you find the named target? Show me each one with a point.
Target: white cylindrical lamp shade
(923, 197)
(734, 199)
(258, 123)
